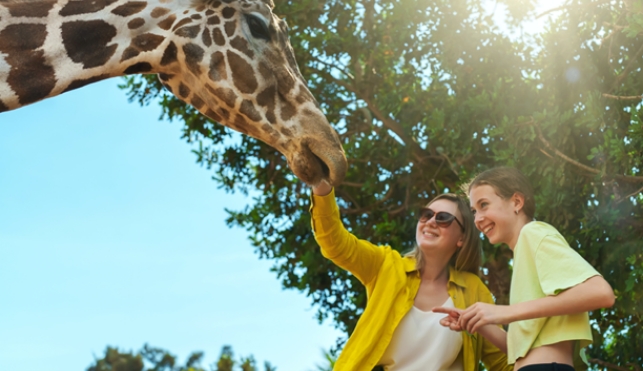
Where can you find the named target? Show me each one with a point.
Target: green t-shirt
(544, 264)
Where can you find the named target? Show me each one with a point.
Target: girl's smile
(496, 217)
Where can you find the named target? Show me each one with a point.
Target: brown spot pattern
(196, 16)
(286, 132)
(129, 8)
(170, 55)
(242, 73)
(209, 12)
(22, 37)
(181, 23)
(225, 95)
(30, 77)
(241, 45)
(3, 108)
(129, 53)
(197, 102)
(265, 71)
(135, 23)
(228, 12)
(189, 32)
(36, 10)
(248, 109)
(210, 113)
(287, 110)
(193, 56)
(214, 20)
(75, 7)
(206, 38)
(224, 113)
(240, 124)
(267, 99)
(230, 27)
(167, 23)
(218, 37)
(165, 76)
(184, 91)
(270, 131)
(217, 67)
(141, 67)
(285, 81)
(142, 43)
(159, 12)
(80, 83)
(86, 42)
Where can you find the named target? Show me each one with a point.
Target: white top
(421, 343)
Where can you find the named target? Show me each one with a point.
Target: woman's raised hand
(322, 189)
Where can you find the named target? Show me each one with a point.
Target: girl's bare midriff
(552, 353)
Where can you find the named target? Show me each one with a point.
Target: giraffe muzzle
(318, 160)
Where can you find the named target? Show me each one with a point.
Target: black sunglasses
(442, 218)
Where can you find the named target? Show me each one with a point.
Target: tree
(156, 359)
(425, 94)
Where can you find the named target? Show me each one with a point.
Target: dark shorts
(547, 367)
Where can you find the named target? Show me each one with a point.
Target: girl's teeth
(487, 230)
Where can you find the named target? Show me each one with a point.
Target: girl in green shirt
(552, 286)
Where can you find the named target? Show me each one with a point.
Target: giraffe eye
(258, 29)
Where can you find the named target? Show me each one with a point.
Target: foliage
(425, 94)
(156, 359)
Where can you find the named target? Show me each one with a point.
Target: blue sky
(111, 234)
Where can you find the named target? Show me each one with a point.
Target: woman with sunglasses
(397, 329)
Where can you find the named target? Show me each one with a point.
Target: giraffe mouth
(315, 162)
(325, 170)
(329, 163)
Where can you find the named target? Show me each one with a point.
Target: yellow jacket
(392, 283)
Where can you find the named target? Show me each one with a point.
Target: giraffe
(230, 59)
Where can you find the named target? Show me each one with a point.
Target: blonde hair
(469, 257)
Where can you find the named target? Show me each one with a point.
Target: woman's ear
(518, 201)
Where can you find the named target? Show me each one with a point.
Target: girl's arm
(494, 334)
(592, 294)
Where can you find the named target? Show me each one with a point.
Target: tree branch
(368, 209)
(569, 7)
(613, 366)
(419, 154)
(627, 178)
(629, 97)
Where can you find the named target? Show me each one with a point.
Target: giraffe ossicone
(230, 59)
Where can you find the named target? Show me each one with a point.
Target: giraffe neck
(50, 47)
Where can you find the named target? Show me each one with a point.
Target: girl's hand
(480, 314)
(451, 320)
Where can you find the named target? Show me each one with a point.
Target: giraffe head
(232, 60)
